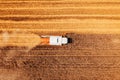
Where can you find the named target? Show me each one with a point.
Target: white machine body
(57, 40)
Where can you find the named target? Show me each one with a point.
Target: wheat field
(63, 16)
(93, 26)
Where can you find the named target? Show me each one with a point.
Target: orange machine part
(44, 41)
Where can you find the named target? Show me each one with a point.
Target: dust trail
(13, 45)
(16, 42)
(19, 39)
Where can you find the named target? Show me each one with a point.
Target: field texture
(93, 26)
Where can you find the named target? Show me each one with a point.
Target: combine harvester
(30, 40)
